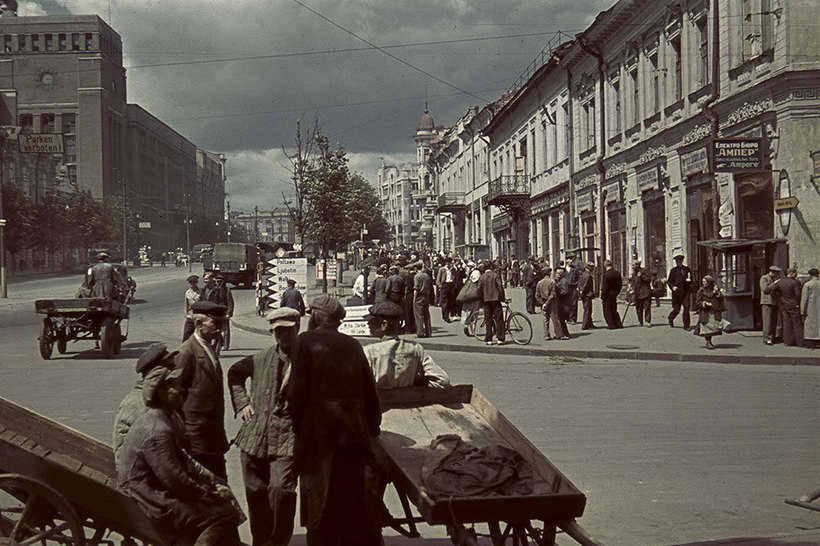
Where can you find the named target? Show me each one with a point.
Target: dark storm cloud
(365, 100)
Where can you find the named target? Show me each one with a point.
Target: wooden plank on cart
(56, 437)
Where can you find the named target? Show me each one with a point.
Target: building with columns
(666, 127)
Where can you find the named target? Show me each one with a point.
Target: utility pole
(124, 218)
(255, 224)
(229, 221)
(3, 289)
(188, 229)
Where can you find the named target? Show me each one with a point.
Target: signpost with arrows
(275, 275)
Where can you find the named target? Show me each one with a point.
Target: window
(636, 96)
(545, 146)
(89, 41)
(49, 42)
(7, 43)
(27, 120)
(75, 41)
(554, 141)
(766, 30)
(47, 123)
(654, 81)
(35, 42)
(21, 42)
(588, 124)
(702, 37)
(676, 72)
(62, 41)
(565, 129)
(615, 91)
(69, 123)
(533, 168)
(522, 150)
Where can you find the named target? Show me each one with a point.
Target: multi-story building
(64, 76)
(271, 226)
(681, 126)
(407, 192)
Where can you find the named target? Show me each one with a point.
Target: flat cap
(284, 316)
(193, 278)
(151, 357)
(209, 308)
(328, 305)
(678, 255)
(385, 310)
(102, 254)
(775, 269)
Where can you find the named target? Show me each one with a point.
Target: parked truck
(237, 262)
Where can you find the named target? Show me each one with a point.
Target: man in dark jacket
(611, 286)
(103, 278)
(204, 409)
(788, 291)
(641, 287)
(407, 298)
(563, 304)
(380, 285)
(292, 298)
(219, 293)
(265, 438)
(154, 470)
(492, 295)
(422, 296)
(529, 282)
(335, 412)
(680, 282)
(586, 291)
(395, 287)
(573, 278)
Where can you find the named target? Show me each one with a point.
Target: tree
(327, 194)
(301, 166)
(19, 213)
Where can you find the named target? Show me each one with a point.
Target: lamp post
(188, 229)
(3, 289)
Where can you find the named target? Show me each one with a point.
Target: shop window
(617, 239)
(588, 224)
(755, 204)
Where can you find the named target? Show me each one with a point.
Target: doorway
(654, 215)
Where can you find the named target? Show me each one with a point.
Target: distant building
(64, 75)
(274, 225)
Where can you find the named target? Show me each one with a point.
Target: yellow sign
(786, 203)
(41, 143)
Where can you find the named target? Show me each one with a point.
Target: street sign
(145, 225)
(40, 143)
(737, 154)
(786, 203)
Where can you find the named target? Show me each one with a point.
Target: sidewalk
(633, 342)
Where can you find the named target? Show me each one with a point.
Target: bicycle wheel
(477, 327)
(520, 328)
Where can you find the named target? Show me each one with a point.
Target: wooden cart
(413, 417)
(57, 487)
(98, 319)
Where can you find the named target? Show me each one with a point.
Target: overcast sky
(365, 100)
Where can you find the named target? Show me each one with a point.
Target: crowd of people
(305, 417)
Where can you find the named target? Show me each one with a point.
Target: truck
(236, 262)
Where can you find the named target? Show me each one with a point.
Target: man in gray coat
(768, 304)
(266, 436)
(492, 296)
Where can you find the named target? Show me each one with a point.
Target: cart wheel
(117, 339)
(108, 336)
(46, 339)
(33, 513)
(62, 341)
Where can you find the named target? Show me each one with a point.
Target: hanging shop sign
(694, 162)
(737, 154)
(785, 201)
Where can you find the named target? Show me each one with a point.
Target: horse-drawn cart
(412, 418)
(98, 319)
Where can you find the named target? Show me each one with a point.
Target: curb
(613, 354)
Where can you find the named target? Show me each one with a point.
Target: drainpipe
(469, 233)
(708, 110)
(571, 158)
(599, 161)
(488, 227)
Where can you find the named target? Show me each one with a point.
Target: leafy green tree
(19, 213)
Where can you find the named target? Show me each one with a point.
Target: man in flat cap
(265, 438)
(191, 297)
(132, 406)
(586, 291)
(335, 412)
(102, 278)
(204, 409)
(398, 362)
(768, 304)
(680, 281)
(422, 297)
(154, 470)
(217, 291)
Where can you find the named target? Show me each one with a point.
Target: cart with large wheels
(97, 319)
(57, 486)
(413, 417)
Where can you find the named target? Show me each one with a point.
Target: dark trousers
(611, 316)
(409, 317)
(346, 519)
(270, 488)
(529, 293)
(549, 312)
(203, 522)
(680, 298)
(446, 300)
(493, 321)
(187, 329)
(226, 334)
(573, 311)
(421, 310)
(643, 308)
(792, 327)
(769, 313)
(586, 303)
(214, 463)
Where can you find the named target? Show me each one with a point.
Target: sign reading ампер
(43, 143)
(739, 154)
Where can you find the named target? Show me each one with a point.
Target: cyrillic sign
(737, 154)
(694, 162)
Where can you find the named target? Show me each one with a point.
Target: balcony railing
(508, 187)
(451, 202)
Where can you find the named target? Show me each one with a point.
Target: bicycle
(516, 325)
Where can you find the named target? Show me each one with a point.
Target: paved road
(668, 453)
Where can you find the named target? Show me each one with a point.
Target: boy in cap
(191, 297)
(204, 408)
(335, 411)
(398, 362)
(132, 406)
(265, 438)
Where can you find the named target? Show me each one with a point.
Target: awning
(738, 244)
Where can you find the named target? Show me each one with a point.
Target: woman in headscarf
(709, 305)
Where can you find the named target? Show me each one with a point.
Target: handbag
(468, 293)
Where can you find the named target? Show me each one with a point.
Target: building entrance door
(702, 207)
(617, 240)
(654, 215)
